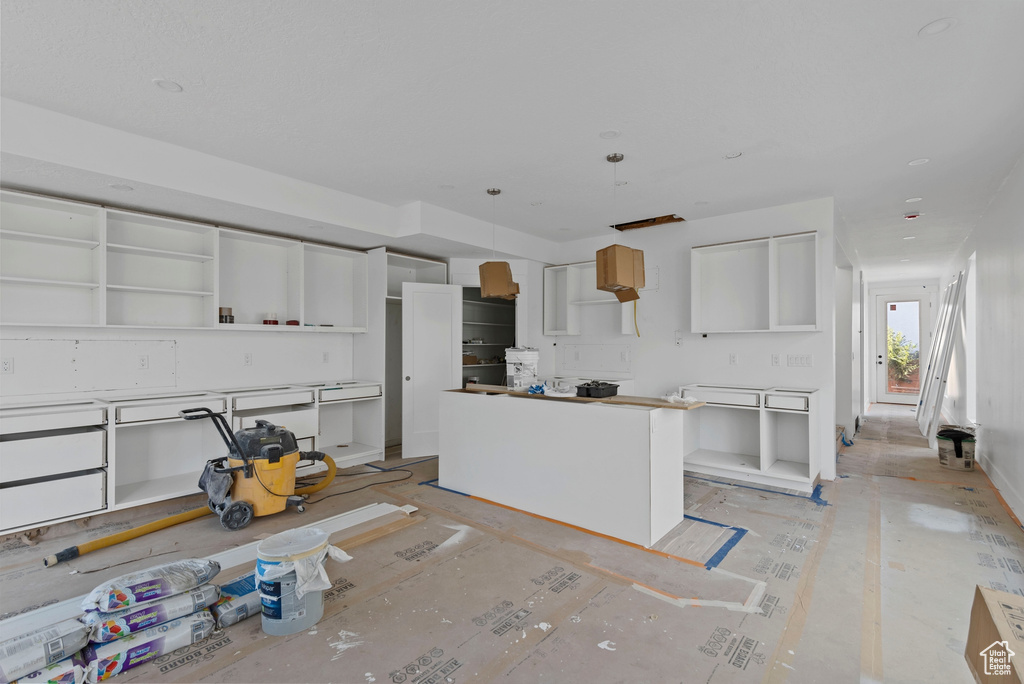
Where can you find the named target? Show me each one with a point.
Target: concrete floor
(873, 581)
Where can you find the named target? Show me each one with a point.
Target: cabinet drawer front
(30, 420)
(786, 401)
(341, 393)
(134, 414)
(712, 396)
(52, 499)
(52, 454)
(280, 399)
(302, 424)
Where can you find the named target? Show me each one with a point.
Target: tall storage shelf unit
(760, 285)
(488, 329)
(51, 262)
(760, 435)
(160, 272)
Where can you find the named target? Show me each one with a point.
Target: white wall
(998, 241)
(659, 365)
(844, 350)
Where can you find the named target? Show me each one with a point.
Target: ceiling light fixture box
(620, 270)
(496, 281)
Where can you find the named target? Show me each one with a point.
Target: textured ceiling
(406, 100)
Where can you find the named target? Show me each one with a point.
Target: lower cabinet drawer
(713, 396)
(302, 424)
(793, 402)
(41, 454)
(40, 501)
(341, 393)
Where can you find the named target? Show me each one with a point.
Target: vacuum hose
(111, 539)
(322, 484)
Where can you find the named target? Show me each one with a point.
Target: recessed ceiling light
(733, 155)
(121, 186)
(918, 162)
(537, 203)
(608, 135)
(936, 27)
(169, 86)
(563, 230)
(700, 203)
(913, 199)
(620, 183)
(911, 217)
(910, 237)
(902, 260)
(446, 186)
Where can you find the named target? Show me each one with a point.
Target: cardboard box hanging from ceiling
(496, 281)
(620, 270)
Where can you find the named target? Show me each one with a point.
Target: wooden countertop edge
(621, 400)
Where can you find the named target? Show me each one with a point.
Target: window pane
(903, 345)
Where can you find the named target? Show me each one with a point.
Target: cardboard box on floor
(620, 270)
(995, 639)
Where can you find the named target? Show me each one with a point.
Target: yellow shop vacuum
(257, 477)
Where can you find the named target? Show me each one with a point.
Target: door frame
(926, 295)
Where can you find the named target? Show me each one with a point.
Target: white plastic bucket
(284, 610)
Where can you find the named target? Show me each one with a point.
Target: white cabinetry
(160, 272)
(761, 435)
(51, 262)
(760, 285)
(72, 264)
(488, 329)
(52, 462)
(568, 289)
(408, 269)
(351, 421)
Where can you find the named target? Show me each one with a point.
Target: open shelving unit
(756, 434)
(493, 322)
(51, 261)
(759, 285)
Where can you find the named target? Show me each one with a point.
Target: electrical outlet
(732, 359)
(247, 359)
(775, 360)
(327, 357)
(143, 362)
(8, 365)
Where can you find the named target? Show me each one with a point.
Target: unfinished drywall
(666, 354)
(998, 242)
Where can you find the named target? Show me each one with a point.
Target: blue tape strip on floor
(720, 555)
(404, 465)
(430, 483)
(815, 495)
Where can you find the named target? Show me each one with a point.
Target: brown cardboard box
(469, 360)
(496, 281)
(620, 270)
(995, 639)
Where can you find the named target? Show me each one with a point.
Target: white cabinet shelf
(74, 264)
(569, 287)
(51, 261)
(738, 434)
(760, 285)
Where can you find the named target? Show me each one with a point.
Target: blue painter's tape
(404, 465)
(719, 555)
(431, 483)
(726, 548)
(815, 495)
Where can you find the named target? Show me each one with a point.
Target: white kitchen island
(611, 468)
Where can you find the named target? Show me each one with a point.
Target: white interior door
(901, 346)
(431, 360)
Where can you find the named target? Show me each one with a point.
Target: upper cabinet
(408, 269)
(761, 285)
(51, 261)
(566, 289)
(72, 264)
(160, 272)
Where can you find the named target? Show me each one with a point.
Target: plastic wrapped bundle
(158, 582)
